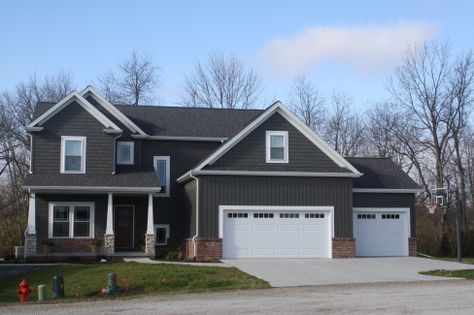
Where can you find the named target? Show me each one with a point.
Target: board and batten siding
(73, 120)
(380, 200)
(273, 190)
(190, 205)
(250, 152)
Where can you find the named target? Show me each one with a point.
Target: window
(71, 220)
(73, 155)
(390, 216)
(289, 215)
(366, 216)
(162, 233)
(237, 215)
(277, 146)
(125, 152)
(263, 215)
(162, 170)
(314, 215)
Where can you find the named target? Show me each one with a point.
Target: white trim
(386, 190)
(30, 169)
(168, 186)
(63, 154)
(267, 173)
(109, 228)
(32, 214)
(74, 96)
(167, 228)
(133, 223)
(175, 138)
(150, 219)
(327, 209)
(268, 135)
(130, 144)
(34, 129)
(93, 189)
(89, 90)
(305, 130)
(72, 205)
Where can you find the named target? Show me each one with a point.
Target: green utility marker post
(112, 287)
(42, 292)
(58, 287)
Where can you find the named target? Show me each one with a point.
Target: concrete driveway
(304, 272)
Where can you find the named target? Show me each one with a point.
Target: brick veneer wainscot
(343, 247)
(207, 248)
(412, 246)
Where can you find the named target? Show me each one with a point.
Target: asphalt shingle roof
(381, 173)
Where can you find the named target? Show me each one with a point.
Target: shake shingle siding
(73, 121)
(250, 153)
(278, 191)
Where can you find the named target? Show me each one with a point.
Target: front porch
(123, 222)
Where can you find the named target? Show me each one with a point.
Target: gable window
(277, 146)
(71, 220)
(162, 233)
(161, 165)
(125, 152)
(73, 155)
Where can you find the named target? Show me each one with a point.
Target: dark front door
(123, 227)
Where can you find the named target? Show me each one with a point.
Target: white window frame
(168, 187)
(167, 233)
(83, 154)
(72, 206)
(131, 144)
(268, 146)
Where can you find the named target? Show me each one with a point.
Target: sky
(341, 46)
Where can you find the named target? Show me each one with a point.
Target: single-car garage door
(276, 233)
(381, 232)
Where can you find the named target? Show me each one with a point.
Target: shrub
(173, 255)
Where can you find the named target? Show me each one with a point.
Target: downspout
(114, 157)
(197, 214)
(31, 153)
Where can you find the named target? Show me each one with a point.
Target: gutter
(197, 215)
(181, 138)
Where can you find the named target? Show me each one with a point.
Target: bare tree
(344, 128)
(134, 83)
(308, 104)
(221, 82)
(16, 111)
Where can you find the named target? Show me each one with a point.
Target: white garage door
(272, 234)
(381, 232)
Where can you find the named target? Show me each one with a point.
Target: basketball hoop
(432, 207)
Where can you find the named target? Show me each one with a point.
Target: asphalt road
(427, 297)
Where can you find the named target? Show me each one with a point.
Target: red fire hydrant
(23, 290)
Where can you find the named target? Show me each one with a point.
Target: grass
(469, 260)
(85, 281)
(465, 273)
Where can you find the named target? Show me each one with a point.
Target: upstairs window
(125, 152)
(277, 146)
(162, 170)
(73, 155)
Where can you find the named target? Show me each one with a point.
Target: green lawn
(466, 273)
(84, 281)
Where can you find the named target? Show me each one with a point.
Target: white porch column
(32, 214)
(30, 234)
(150, 237)
(109, 237)
(110, 216)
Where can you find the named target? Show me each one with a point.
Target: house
(213, 183)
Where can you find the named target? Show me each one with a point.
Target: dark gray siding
(190, 205)
(270, 190)
(173, 210)
(250, 154)
(388, 200)
(42, 204)
(73, 121)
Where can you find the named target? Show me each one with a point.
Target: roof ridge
(190, 108)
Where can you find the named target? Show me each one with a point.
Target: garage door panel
(381, 233)
(286, 234)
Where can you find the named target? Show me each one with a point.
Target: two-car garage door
(267, 232)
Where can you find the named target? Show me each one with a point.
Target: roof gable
(37, 124)
(277, 107)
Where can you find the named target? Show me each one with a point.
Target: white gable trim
(73, 97)
(89, 90)
(305, 130)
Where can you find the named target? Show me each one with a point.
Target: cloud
(363, 48)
